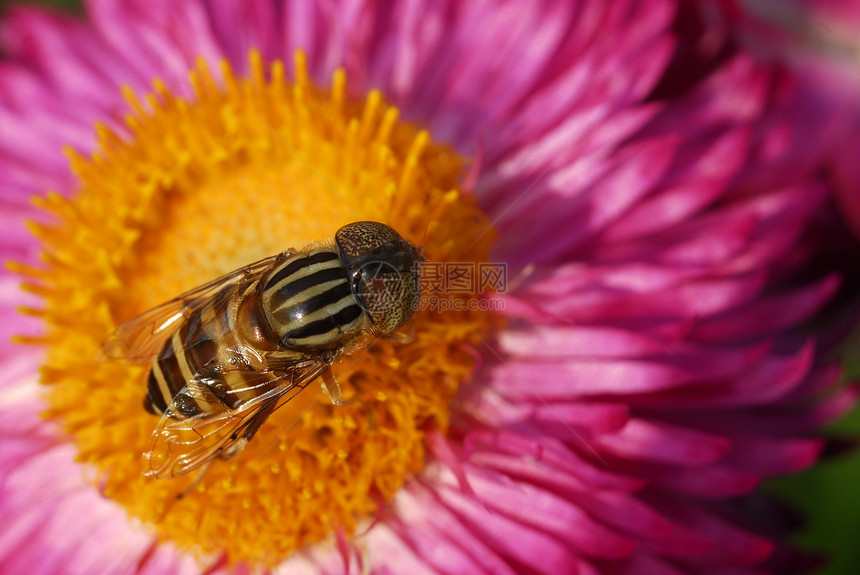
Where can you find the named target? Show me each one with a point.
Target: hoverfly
(227, 354)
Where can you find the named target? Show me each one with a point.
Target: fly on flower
(227, 354)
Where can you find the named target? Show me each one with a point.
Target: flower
(650, 365)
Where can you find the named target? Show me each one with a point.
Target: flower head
(649, 362)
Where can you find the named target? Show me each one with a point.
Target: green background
(828, 495)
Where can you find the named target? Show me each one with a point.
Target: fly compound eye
(359, 239)
(387, 295)
(384, 270)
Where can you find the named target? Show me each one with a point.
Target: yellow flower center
(243, 170)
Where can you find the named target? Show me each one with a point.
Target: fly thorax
(309, 302)
(252, 325)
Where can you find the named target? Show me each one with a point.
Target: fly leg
(330, 383)
(332, 388)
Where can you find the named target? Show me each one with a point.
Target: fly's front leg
(332, 388)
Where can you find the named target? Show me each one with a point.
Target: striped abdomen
(194, 349)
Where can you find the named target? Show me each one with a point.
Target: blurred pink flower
(654, 368)
(820, 41)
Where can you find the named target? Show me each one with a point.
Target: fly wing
(141, 339)
(181, 444)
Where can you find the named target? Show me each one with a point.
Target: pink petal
(733, 547)
(547, 512)
(697, 181)
(241, 26)
(560, 420)
(522, 544)
(769, 316)
(629, 176)
(646, 523)
(549, 341)
(422, 511)
(642, 440)
(767, 382)
(555, 458)
(769, 457)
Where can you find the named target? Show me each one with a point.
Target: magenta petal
(547, 512)
(769, 316)
(780, 420)
(561, 420)
(510, 537)
(397, 552)
(688, 301)
(539, 473)
(554, 456)
(21, 85)
(419, 508)
(303, 27)
(767, 382)
(126, 31)
(587, 341)
(695, 183)
(31, 141)
(241, 26)
(642, 564)
(578, 486)
(798, 130)
(631, 174)
(18, 183)
(432, 550)
(576, 378)
(780, 216)
(160, 559)
(651, 441)
(769, 457)
(847, 175)
(38, 506)
(690, 248)
(83, 73)
(13, 323)
(733, 547)
(655, 531)
(584, 139)
(594, 85)
(713, 482)
(736, 93)
(624, 276)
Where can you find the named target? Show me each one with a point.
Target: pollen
(189, 189)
